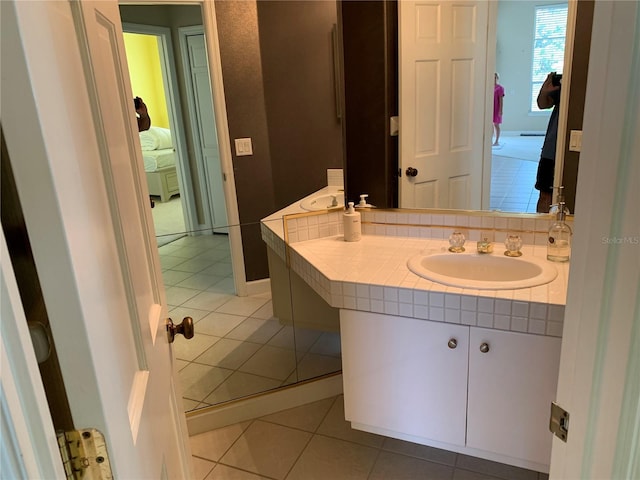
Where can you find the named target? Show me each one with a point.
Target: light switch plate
(243, 147)
(575, 140)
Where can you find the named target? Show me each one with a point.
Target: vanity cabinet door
(512, 382)
(405, 375)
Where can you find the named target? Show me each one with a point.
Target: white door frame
(28, 446)
(169, 78)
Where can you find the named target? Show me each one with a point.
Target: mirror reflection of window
(550, 32)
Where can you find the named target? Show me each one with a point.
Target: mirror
(446, 143)
(241, 347)
(468, 132)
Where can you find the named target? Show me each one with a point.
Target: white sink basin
(322, 202)
(483, 271)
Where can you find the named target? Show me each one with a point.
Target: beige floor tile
(189, 405)
(299, 338)
(199, 281)
(265, 312)
(255, 330)
(223, 472)
(460, 474)
(272, 362)
(327, 344)
(495, 469)
(334, 425)
(306, 417)
(226, 285)
(167, 262)
(419, 451)
(218, 324)
(178, 295)
(214, 444)
(173, 277)
(193, 265)
(201, 468)
(207, 300)
(189, 349)
(312, 366)
(220, 268)
(239, 385)
(327, 458)
(178, 313)
(228, 353)
(267, 449)
(198, 381)
(244, 306)
(399, 467)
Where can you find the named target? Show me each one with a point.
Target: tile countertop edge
(392, 289)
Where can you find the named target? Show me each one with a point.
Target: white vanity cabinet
(405, 375)
(488, 394)
(512, 382)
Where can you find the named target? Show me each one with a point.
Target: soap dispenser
(363, 202)
(559, 239)
(352, 224)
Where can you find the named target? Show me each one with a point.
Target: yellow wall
(143, 57)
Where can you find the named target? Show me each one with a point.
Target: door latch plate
(559, 422)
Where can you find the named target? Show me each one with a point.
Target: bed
(159, 162)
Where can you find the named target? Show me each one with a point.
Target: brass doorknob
(411, 172)
(185, 328)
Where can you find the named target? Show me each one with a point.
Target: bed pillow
(156, 138)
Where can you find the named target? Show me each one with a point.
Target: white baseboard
(211, 418)
(257, 287)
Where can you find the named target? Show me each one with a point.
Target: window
(548, 46)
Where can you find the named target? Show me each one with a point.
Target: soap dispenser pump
(352, 224)
(559, 239)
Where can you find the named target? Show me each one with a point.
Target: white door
(209, 154)
(443, 50)
(71, 134)
(599, 382)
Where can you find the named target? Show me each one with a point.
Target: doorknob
(411, 172)
(185, 328)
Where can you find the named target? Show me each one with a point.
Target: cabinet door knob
(484, 348)
(453, 343)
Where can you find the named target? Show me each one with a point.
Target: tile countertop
(372, 275)
(275, 221)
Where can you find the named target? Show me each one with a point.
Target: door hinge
(559, 422)
(84, 455)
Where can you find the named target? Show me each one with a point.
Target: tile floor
(513, 173)
(239, 348)
(315, 442)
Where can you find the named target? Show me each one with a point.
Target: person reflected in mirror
(144, 120)
(498, 95)
(548, 97)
